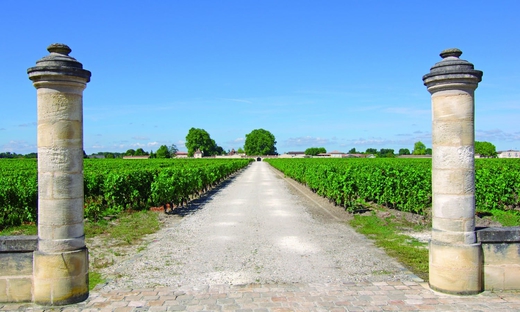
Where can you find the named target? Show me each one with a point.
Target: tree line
(484, 149)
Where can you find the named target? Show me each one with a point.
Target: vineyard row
(112, 186)
(403, 184)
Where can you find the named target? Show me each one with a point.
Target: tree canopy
(485, 149)
(140, 152)
(199, 139)
(404, 151)
(419, 148)
(260, 142)
(313, 151)
(386, 153)
(371, 151)
(163, 152)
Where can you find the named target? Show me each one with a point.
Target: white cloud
(307, 141)
(496, 135)
(19, 147)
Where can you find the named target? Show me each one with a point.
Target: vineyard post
(60, 274)
(455, 255)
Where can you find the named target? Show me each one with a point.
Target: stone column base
(60, 278)
(456, 269)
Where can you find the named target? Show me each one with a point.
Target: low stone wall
(16, 265)
(501, 253)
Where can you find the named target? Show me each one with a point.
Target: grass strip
(386, 233)
(127, 229)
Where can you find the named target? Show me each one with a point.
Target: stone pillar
(455, 255)
(60, 274)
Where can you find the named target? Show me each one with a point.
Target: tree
(371, 151)
(163, 152)
(130, 152)
(240, 150)
(386, 153)
(199, 139)
(313, 151)
(139, 152)
(429, 151)
(173, 150)
(419, 148)
(260, 142)
(485, 149)
(404, 151)
(219, 150)
(353, 151)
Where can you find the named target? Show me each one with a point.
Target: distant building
(323, 155)
(508, 154)
(336, 154)
(296, 154)
(181, 154)
(198, 154)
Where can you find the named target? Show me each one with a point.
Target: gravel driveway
(259, 227)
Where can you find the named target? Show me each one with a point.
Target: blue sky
(337, 74)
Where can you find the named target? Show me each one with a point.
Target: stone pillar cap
(58, 62)
(452, 67)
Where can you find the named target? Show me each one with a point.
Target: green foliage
(163, 152)
(419, 148)
(240, 150)
(199, 139)
(313, 151)
(260, 142)
(173, 150)
(396, 183)
(130, 152)
(404, 151)
(371, 151)
(353, 151)
(387, 234)
(485, 149)
(94, 278)
(140, 152)
(386, 153)
(403, 184)
(113, 185)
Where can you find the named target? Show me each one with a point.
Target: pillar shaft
(61, 262)
(455, 255)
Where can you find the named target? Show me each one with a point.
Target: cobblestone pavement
(375, 296)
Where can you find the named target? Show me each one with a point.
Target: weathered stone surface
(61, 262)
(60, 278)
(18, 243)
(60, 159)
(455, 268)
(58, 62)
(499, 234)
(20, 289)
(454, 206)
(453, 157)
(455, 259)
(16, 263)
(60, 106)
